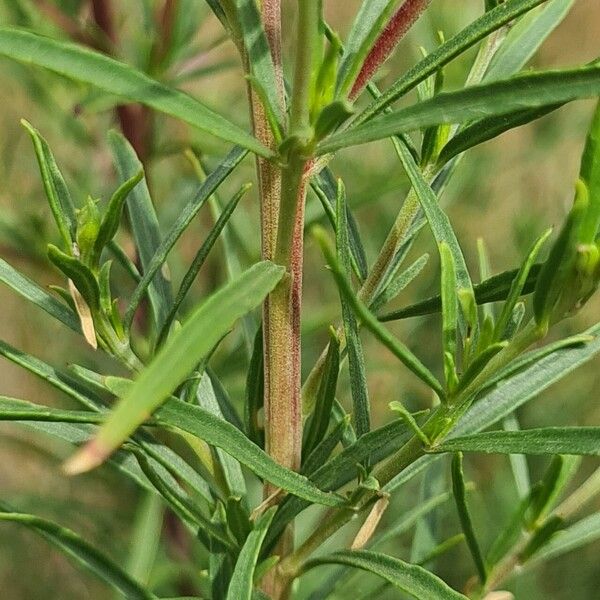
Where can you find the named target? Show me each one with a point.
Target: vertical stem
(283, 419)
(283, 403)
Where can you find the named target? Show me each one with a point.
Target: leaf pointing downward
(177, 358)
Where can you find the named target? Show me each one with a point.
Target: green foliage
(205, 416)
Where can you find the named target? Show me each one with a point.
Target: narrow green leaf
(549, 440)
(112, 216)
(185, 217)
(220, 433)
(217, 432)
(325, 187)
(179, 356)
(444, 234)
(558, 265)
(182, 504)
(518, 462)
(107, 74)
(590, 173)
(258, 55)
(255, 386)
(516, 289)
(449, 307)
(398, 283)
(81, 551)
(479, 362)
(356, 361)
(145, 539)
(460, 497)
(322, 451)
(398, 349)
(144, 224)
(531, 90)
(123, 259)
(318, 422)
(12, 409)
(232, 472)
(75, 428)
(581, 533)
(540, 538)
(558, 475)
(199, 260)
(494, 289)
(55, 187)
(526, 37)
(370, 20)
(480, 28)
(30, 291)
(489, 128)
(241, 584)
(79, 274)
(411, 579)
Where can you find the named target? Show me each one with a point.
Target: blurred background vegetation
(507, 192)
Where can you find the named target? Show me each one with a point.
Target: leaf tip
(89, 457)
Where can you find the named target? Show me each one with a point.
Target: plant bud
(88, 226)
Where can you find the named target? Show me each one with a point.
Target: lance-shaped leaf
(559, 264)
(449, 312)
(521, 43)
(590, 173)
(232, 472)
(217, 432)
(460, 497)
(79, 550)
(444, 234)
(186, 215)
(318, 422)
(79, 274)
(35, 294)
(325, 187)
(549, 440)
(372, 324)
(356, 361)
(112, 216)
(581, 533)
(480, 28)
(526, 37)
(517, 286)
(55, 187)
(178, 358)
(494, 289)
(255, 386)
(144, 224)
(411, 579)
(259, 56)
(116, 78)
(528, 91)
(489, 128)
(398, 283)
(199, 259)
(241, 584)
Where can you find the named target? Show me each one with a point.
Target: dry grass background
(509, 191)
